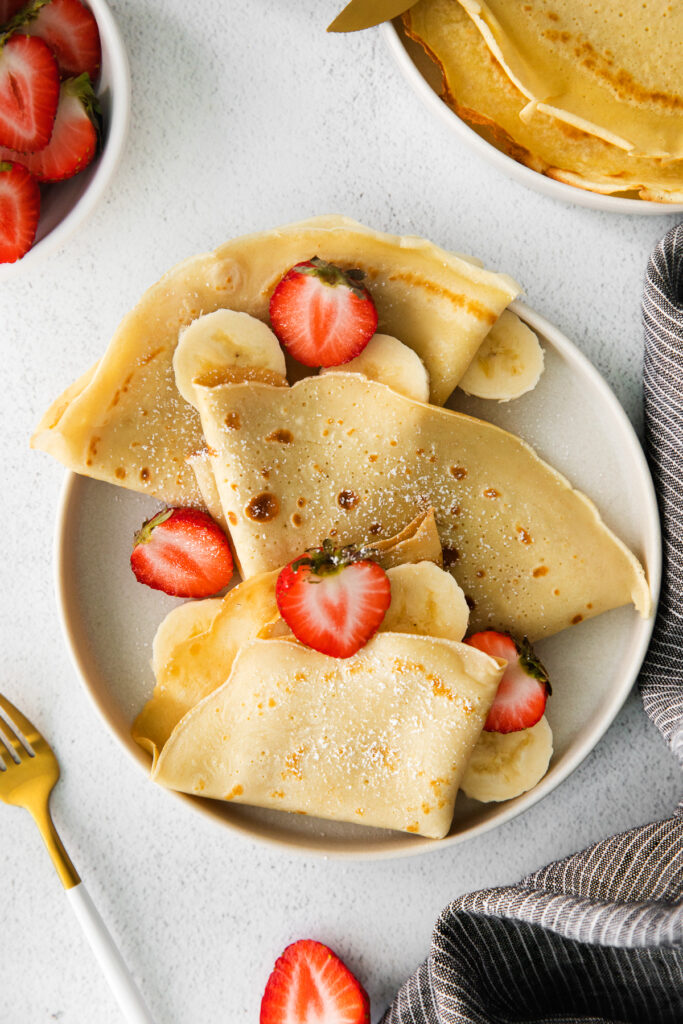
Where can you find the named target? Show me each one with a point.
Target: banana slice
(184, 622)
(506, 765)
(508, 362)
(388, 361)
(427, 601)
(224, 339)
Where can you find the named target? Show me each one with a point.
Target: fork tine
(25, 730)
(11, 747)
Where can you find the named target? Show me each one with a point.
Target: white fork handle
(108, 956)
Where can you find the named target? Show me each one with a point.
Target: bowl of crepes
(576, 100)
(336, 413)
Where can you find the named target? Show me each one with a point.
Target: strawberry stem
(333, 276)
(329, 559)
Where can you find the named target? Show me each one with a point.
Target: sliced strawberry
(19, 211)
(29, 91)
(324, 316)
(524, 688)
(8, 8)
(74, 136)
(311, 985)
(183, 552)
(70, 30)
(332, 599)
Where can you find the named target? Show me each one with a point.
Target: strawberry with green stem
(323, 315)
(183, 552)
(333, 599)
(75, 135)
(525, 687)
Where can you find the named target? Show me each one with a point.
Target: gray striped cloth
(597, 937)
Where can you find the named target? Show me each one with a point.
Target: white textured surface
(250, 119)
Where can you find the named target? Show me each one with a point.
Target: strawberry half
(29, 92)
(310, 985)
(183, 552)
(324, 316)
(74, 136)
(524, 688)
(70, 30)
(333, 599)
(19, 211)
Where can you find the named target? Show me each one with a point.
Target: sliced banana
(427, 601)
(388, 361)
(505, 765)
(181, 624)
(508, 362)
(224, 339)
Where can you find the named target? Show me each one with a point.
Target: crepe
(345, 457)
(609, 70)
(381, 738)
(475, 85)
(128, 424)
(196, 643)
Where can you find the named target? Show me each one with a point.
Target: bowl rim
(117, 131)
(652, 551)
(508, 165)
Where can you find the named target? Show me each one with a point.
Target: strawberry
(29, 91)
(74, 136)
(333, 599)
(19, 211)
(324, 316)
(183, 552)
(524, 688)
(70, 30)
(311, 985)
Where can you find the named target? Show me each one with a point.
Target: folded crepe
(196, 644)
(345, 457)
(610, 69)
(125, 421)
(479, 90)
(381, 738)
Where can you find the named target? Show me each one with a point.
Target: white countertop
(242, 121)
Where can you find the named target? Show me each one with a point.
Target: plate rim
(652, 544)
(534, 180)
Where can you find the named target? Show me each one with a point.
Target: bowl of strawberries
(64, 112)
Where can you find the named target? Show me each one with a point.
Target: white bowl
(67, 204)
(525, 175)
(573, 419)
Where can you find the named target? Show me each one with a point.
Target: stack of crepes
(192, 413)
(590, 94)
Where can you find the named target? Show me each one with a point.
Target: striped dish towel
(596, 938)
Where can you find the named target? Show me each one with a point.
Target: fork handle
(108, 956)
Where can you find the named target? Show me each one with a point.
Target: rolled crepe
(127, 423)
(345, 457)
(381, 738)
(196, 643)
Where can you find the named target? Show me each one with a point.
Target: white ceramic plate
(66, 205)
(572, 418)
(417, 73)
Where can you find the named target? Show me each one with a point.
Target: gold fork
(28, 773)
